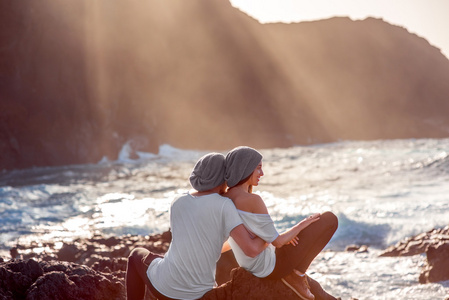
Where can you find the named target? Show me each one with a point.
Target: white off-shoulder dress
(263, 226)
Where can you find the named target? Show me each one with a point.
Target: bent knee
(330, 219)
(137, 254)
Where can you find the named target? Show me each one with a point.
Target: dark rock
(418, 244)
(111, 265)
(245, 286)
(105, 279)
(14, 252)
(95, 286)
(225, 264)
(53, 285)
(68, 252)
(357, 248)
(166, 236)
(437, 268)
(89, 251)
(120, 251)
(112, 241)
(18, 275)
(236, 283)
(5, 295)
(435, 243)
(57, 280)
(92, 260)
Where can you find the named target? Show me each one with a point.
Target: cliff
(80, 78)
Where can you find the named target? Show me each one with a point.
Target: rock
(90, 251)
(418, 244)
(66, 281)
(357, 248)
(435, 243)
(92, 272)
(14, 252)
(69, 252)
(112, 265)
(225, 265)
(57, 280)
(437, 268)
(245, 286)
(112, 241)
(15, 278)
(236, 283)
(53, 285)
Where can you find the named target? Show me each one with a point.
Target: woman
(291, 252)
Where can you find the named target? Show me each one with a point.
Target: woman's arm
(289, 236)
(255, 204)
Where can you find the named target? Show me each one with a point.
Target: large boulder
(435, 244)
(245, 286)
(437, 268)
(28, 279)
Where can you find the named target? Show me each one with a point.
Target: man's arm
(251, 246)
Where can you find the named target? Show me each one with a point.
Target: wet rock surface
(243, 285)
(91, 268)
(435, 244)
(29, 279)
(95, 268)
(419, 243)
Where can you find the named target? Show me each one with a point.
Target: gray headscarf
(208, 172)
(240, 163)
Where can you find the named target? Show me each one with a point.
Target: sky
(426, 18)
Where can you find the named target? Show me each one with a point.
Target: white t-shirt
(200, 226)
(263, 226)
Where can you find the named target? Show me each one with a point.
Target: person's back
(200, 226)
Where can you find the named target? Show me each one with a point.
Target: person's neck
(216, 190)
(204, 193)
(241, 188)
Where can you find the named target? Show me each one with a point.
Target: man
(200, 223)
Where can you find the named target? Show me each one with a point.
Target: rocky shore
(91, 268)
(94, 268)
(435, 244)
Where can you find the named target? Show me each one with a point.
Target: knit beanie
(240, 163)
(208, 172)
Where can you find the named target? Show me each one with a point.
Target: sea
(382, 192)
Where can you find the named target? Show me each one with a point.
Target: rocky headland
(79, 79)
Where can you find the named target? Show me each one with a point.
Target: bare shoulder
(257, 204)
(252, 203)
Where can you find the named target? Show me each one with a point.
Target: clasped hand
(306, 222)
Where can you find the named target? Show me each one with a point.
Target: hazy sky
(426, 18)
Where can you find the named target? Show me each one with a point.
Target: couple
(223, 207)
